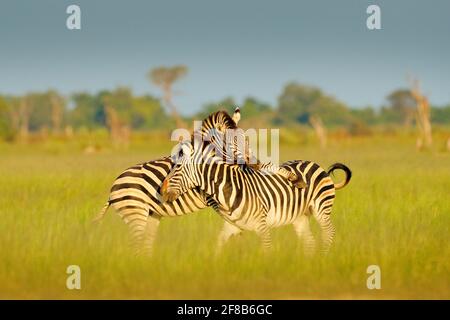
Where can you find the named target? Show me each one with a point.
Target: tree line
(121, 111)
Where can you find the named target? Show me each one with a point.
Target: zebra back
(320, 188)
(138, 187)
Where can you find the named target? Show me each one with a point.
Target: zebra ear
(177, 152)
(237, 115)
(186, 149)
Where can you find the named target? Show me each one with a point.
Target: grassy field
(395, 213)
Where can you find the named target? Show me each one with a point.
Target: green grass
(395, 213)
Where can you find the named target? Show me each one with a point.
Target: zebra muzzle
(166, 193)
(169, 195)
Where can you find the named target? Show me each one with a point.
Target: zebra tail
(348, 174)
(102, 213)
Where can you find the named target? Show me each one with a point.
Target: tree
(7, 129)
(88, 111)
(254, 108)
(440, 114)
(58, 106)
(296, 100)
(366, 115)
(24, 114)
(119, 130)
(41, 110)
(228, 104)
(164, 78)
(148, 113)
(121, 99)
(402, 106)
(299, 102)
(118, 110)
(138, 112)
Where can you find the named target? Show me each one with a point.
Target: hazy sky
(233, 48)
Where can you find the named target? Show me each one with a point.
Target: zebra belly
(187, 203)
(276, 218)
(288, 207)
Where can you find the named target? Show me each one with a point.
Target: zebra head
(218, 136)
(184, 174)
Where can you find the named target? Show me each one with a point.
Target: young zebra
(251, 200)
(135, 193)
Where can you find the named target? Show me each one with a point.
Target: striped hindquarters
(137, 189)
(320, 191)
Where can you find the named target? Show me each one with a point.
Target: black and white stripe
(250, 200)
(135, 194)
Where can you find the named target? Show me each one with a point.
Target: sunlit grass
(395, 213)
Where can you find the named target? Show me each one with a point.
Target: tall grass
(395, 213)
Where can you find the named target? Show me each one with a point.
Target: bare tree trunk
(112, 121)
(319, 128)
(165, 77)
(425, 139)
(119, 132)
(167, 97)
(426, 123)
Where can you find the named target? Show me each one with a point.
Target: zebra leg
(149, 236)
(266, 238)
(303, 231)
(228, 230)
(136, 219)
(328, 230)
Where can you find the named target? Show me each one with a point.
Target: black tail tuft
(348, 174)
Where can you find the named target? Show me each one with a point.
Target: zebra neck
(210, 177)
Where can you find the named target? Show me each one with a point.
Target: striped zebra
(135, 194)
(230, 144)
(251, 200)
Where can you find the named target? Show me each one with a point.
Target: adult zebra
(135, 192)
(251, 200)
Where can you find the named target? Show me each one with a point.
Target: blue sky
(233, 48)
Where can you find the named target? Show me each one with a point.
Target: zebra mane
(216, 124)
(219, 118)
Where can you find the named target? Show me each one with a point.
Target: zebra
(229, 143)
(135, 193)
(248, 199)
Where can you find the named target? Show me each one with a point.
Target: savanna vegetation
(60, 154)
(394, 213)
(42, 114)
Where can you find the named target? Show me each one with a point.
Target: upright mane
(220, 118)
(214, 128)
